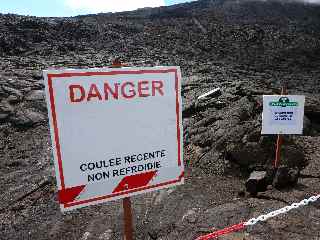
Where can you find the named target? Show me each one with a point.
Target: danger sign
(115, 132)
(282, 114)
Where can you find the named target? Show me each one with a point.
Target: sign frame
(68, 195)
(270, 126)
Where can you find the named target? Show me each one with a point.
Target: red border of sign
(56, 130)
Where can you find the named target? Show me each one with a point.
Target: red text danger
(107, 91)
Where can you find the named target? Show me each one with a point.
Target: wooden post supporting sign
(128, 226)
(126, 202)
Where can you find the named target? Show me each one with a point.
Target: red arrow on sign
(134, 181)
(68, 195)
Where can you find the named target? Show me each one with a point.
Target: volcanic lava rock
(11, 91)
(245, 48)
(188, 110)
(285, 177)
(293, 156)
(211, 162)
(252, 153)
(257, 182)
(190, 216)
(5, 109)
(36, 95)
(226, 214)
(26, 118)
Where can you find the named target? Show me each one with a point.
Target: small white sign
(116, 132)
(282, 114)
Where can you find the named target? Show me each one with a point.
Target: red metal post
(280, 139)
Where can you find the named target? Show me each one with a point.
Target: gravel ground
(245, 48)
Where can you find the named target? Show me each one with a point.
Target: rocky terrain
(245, 48)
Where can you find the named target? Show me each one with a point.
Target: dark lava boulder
(285, 177)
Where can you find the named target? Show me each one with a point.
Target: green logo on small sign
(283, 102)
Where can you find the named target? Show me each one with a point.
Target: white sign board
(282, 114)
(116, 132)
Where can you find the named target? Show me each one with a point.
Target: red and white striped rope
(262, 218)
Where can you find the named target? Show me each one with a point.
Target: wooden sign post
(127, 217)
(126, 202)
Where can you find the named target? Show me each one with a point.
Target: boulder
(36, 95)
(190, 216)
(26, 118)
(188, 109)
(247, 155)
(13, 99)
(307, 126)
(257, 182)
(285, 177)
(3, 116)
(5, 107)
(12, 91)
(293, 156)
(244, 109)
(37, 75)
(211, 162)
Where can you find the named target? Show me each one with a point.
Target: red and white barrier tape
(262, 218)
